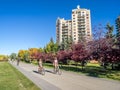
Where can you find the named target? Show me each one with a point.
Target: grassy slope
(12, 79)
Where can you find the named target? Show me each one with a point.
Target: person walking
(18, 60)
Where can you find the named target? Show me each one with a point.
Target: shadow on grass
(94, 71)
(88, 70)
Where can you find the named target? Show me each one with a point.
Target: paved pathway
(66, 81)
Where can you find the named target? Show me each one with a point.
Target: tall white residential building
(77, 28)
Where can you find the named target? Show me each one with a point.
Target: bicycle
(41, 71)
(57, 70)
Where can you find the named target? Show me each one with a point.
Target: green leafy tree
(110, 37)
(110, 30)
(26, 56)
(13, 56)
(41, 50)
(51, 47)
(66, 43)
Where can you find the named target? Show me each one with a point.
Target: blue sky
(31, 23)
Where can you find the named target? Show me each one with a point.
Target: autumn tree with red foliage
(39, 55)
(49, 57)
(79, 53)
(103, 48)
(64, 55)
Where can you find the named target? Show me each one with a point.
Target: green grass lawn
(12, 79)
(98, 71)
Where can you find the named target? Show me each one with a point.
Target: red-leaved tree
(79, 53)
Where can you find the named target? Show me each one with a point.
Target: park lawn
(96, 70)
(12, 79)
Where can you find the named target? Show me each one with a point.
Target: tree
(38, 55)
(79, 54)
(118, 31)
(66, 43)
(49, 57)
(3, 57)
(103, 45)
(13, 56)
(82, 38)
(109, 29)
(62, 56)
(110, 37)
(51, 47)
(24, 55)
(32, 51)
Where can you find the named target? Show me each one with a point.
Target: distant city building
(77, 28)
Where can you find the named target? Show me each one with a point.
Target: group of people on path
(40, 63)
(55, 63)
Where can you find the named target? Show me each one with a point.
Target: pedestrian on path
(18, 60)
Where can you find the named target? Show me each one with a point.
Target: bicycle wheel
(43, 71)
(39, 71)
(54, 71)
(59, 72)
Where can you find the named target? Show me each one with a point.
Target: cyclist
(55, 63)
(41, 70)
(56, 66)
(40, 64)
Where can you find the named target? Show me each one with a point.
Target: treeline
(3, 58)
(104, 47)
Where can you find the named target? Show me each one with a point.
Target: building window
(74, 38)
(87, 15)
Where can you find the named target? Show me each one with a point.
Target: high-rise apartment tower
(77, 28)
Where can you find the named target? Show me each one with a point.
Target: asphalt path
(66, 81)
